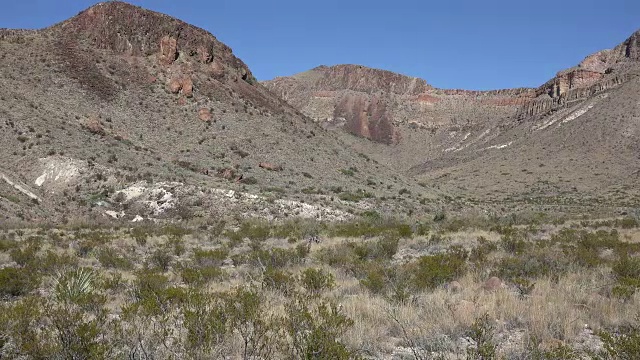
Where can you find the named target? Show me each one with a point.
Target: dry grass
(569, 308)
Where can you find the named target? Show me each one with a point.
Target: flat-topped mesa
(128, 29)
(519, 92)
(367, 80)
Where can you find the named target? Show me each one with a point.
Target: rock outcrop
(270, 166)
(374, 103)
(204, 114)
(168, 50)
(181, 84)
(367, 117)
(544, 104)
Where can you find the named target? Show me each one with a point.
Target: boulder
(174, 85)
(270, 166)
(94, 126)
(204, 114)
(187, 86)
(226, 173)
(168, 50)
(181, 84)
(204, 55)
(492, 284)
(217, 70)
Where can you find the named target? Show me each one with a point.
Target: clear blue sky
(471, 44)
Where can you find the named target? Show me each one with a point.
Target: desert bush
(479, 255)
(140, 235)
(51, 263)
(161, 258)
(276, 258)
(248, 317)
(314, 330)
(205, 321)
(431, 271)
(200, 275)
(78, 334)
(204, 258)
(17, 282)
(530, 266)
(622, 343)
(626, 272)
(387, 281)
(17, 321)
(316, 281)
(296, 229)
(25, 255)
(174, 231)
(110, 258)
(514, 241)
(482, 332)
(153, 295)
(251, 229)
(7, 244)
(370, 226)
(279, 280)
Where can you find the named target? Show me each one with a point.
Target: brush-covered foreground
(456, 288)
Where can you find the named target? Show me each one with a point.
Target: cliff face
(369, 99)
(189, 61)
(596, 73)
(131, 30)
(375, 104)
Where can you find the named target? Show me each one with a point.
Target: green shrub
(140, 235)
(316, 281)
(153, 295)
(17, 282)
(201, 275)
(214, 257)
(111, 259)
(25, 256)
(247, 316)
(482, 332)
(275, 258)
(17, 321)
(626, 272)
(314, 330)
(52, 263)
(531, 266)
(375, 279)
(253, 230)
(515, 242)
(161, 259)
(431, 271)
(279, 280)
(205, 321)
(479, 255)
(370, 227)
(624, 343)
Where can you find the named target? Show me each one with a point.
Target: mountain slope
(128, 112)
(566, 142)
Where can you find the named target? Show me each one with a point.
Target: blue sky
(470, 44)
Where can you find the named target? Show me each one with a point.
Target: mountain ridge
(127, 113)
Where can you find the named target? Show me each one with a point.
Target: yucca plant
(74, 285)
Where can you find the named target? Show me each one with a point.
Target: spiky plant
(74, 285)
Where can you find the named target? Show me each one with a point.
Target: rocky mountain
(122, 112)
(571, 142)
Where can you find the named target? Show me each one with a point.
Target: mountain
(571, 143)
(122, 112)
